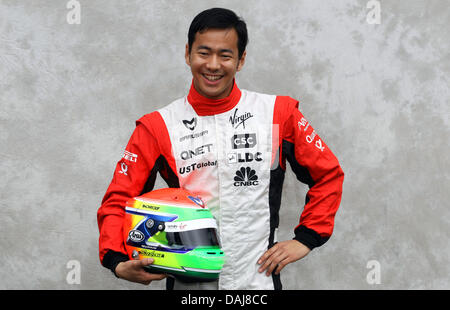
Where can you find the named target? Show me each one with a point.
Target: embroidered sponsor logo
(130, 156)
(198, 151)
(194, 135)
(190, 124)
(243, 141)
(310, 138)
(195, 166)
(237, 120)
(123, 168)
(246, 177)
(234, 158)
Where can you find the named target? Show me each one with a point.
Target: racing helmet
(177, 230)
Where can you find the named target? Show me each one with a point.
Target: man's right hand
(133, 270)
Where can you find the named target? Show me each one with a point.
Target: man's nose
(213, 63)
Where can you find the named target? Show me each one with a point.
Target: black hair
(219, 18)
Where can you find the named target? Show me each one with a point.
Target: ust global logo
(245, 177)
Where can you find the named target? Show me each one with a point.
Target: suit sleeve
(132, 174)
(314, 164)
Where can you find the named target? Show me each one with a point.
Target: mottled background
(378, 94)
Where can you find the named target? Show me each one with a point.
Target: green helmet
(177, 230)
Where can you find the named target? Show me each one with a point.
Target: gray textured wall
(378, 94)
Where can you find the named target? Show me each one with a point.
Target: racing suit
(231, 152)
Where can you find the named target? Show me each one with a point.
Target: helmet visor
(194, 238)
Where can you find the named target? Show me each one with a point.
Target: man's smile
(212, 79)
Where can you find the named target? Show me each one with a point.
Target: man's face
(214, 61)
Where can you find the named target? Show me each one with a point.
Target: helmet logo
(136, 236)
(197, 201)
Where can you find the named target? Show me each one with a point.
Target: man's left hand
(281, 254)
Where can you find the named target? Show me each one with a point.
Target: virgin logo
(236, 120)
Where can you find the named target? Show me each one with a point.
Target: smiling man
(230, 147)
(214, 59)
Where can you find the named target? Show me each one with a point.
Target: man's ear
(241, 61)
(186, 55)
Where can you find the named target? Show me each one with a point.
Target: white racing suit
(232, 153)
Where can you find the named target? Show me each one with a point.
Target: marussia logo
(238, 120)
(190, 124)
(245, 177)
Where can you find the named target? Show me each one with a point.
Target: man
(230, 147)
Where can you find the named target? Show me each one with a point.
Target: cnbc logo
(245, 177)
